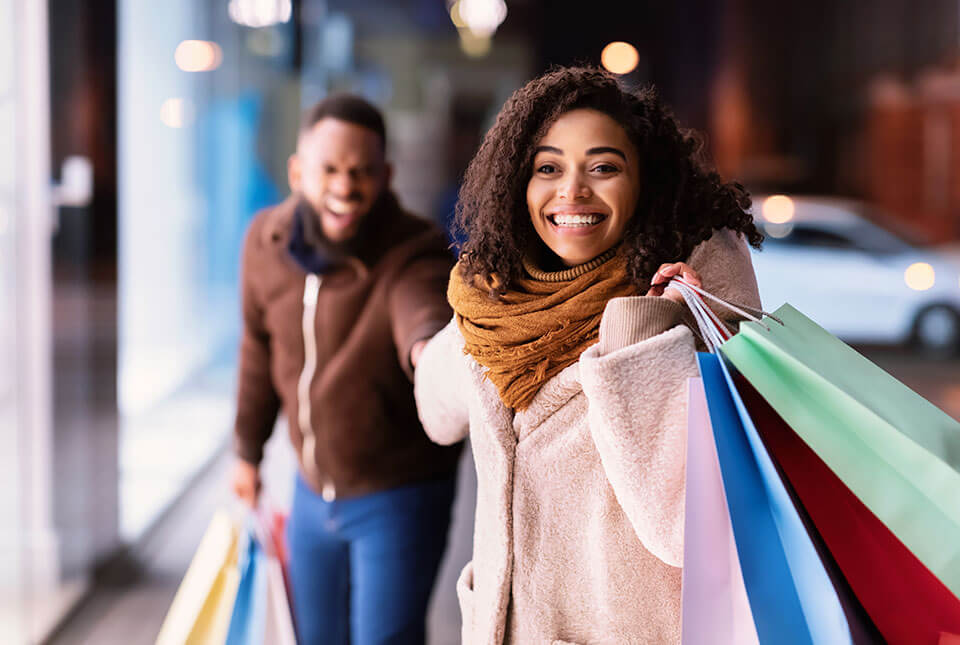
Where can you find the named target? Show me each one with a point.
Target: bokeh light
(455, 16)
(778, 231)
(260, 13)
(475, 45)
(482, 17)
(198, 56)
(177, 112)
(620, 57)
(919, 276)
(778, 209)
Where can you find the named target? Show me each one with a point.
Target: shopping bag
(905, 601)
(791, 596)
(278, 622)
(277, 532)
(201, 609)
(715, 608)
(248, 620)
(895, 451)
(278, 628)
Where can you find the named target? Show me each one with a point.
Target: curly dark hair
(683, 200)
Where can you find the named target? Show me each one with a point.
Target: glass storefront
(203, 107)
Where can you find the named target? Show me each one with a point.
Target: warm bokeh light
(620, 57)
(473, 45)
(176, 113)
(919, 276)
(455, 16)
(260, 13)
(778, 209)
(198, 56)
(482, 17)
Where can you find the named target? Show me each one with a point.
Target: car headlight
(919, 276)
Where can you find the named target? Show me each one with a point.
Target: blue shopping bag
(791, 596)
(248, 621)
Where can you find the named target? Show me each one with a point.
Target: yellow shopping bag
(200, 613)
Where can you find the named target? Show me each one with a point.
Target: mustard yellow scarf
(542, 324)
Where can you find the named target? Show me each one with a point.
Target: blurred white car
(859, 281)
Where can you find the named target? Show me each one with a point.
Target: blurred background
(137, 139)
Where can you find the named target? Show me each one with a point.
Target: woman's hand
(663, 276)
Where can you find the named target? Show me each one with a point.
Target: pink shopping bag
(714, 599)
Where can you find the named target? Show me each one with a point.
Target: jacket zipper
(311, 291)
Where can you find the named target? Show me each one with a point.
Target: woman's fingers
(668, 271)
(673, 269)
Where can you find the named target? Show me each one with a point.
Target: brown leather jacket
(333, 350)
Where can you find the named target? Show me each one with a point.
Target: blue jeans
(362, 568)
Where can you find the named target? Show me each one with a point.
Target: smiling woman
(567, 359)
(679, 200)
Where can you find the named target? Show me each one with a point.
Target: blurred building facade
(852, 98)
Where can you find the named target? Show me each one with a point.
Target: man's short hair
(346, 107)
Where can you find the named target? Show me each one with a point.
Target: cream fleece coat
(579, 519)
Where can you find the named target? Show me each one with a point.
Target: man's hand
(415, 351)
(665, 273)
(246, 482)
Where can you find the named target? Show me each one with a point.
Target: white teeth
(338, 211)
(576, 220)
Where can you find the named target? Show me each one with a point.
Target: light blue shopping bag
(790, 593)
(248, 621)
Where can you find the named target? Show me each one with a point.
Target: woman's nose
(573, 187)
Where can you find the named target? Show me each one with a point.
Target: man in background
(341, 288)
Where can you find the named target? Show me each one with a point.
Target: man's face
(340, 169)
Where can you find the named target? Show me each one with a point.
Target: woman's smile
(576, 220)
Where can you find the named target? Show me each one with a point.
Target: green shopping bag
(897, 452)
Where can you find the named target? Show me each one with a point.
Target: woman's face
(585, 185)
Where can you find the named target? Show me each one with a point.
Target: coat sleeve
(257, 401)
(637, 415)
(441, 384)
(418, 297)
(635, 382)
(726, 271)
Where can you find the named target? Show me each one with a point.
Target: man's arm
(257, 400)
(418, 300)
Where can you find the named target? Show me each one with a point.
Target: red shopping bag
(906, 602)
(278, 538)
(278, 532)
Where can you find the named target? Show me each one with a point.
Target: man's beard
(315, 237)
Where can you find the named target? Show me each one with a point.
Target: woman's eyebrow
(540, 149)
(603, 149)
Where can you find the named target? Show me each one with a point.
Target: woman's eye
(605, 168)
(546, 169)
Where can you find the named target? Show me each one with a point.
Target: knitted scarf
(542, 324)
